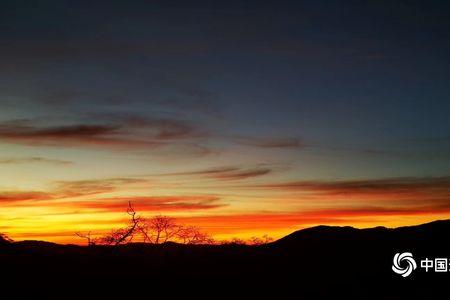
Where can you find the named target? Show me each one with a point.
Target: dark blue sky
(368, 78)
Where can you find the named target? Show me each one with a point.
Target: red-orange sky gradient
(264, 208)
(244, 119)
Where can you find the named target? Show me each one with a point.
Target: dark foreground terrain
(327, 261)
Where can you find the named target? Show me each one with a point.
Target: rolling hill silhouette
(324, 260)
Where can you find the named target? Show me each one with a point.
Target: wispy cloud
(269, 142)
(153, 203)
(68, 189)
(125, 132)
(372, 186)
(110, 204)
(8, 197)
(26, 160)
(68, 135)
(372, 211)
(72, 189)
(427, 193)
(72, 195)
(297, 143)
(243, 174)
(227, 173)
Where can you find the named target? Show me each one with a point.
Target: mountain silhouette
(325, 260)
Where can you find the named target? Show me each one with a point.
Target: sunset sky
(241, 117)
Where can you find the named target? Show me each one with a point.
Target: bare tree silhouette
(90, 241)
(192, 235)
(123, 235)
(265, 239)
(236, 241)
(253, 241)
(162, 228)
(156, 230)
(117, 236)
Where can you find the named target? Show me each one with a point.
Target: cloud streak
(68, 189)
(395, 194)
(11, 197)
(371, 186)
(26, 160)
(125, 132)
(110, 204)
(269, 142)
(73, 189)
(227, 173)
(152, 203)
